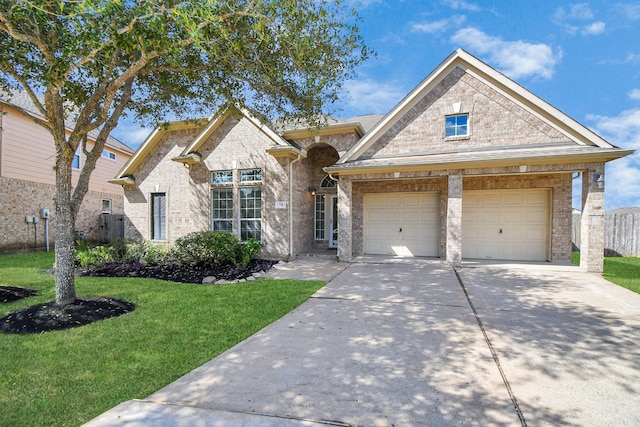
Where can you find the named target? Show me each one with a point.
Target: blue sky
(583, 58)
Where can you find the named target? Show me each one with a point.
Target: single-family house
(27, 179)
(468, 165)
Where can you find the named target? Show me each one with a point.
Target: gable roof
(19, 100)
(190, 153)
(498, 81)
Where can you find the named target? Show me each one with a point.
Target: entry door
(506, 224)
(333, 220)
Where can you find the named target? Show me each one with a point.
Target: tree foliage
(86, 63)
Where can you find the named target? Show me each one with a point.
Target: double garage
(496, 224)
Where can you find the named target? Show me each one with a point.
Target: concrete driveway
(397, 343)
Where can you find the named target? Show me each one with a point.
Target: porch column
(454, 221)
(592, 221)
(345, 232)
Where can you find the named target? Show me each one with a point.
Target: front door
(333, 240)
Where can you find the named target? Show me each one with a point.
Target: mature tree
(86, 63)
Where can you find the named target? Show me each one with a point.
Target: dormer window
(456, 125)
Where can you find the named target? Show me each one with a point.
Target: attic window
(456, 125)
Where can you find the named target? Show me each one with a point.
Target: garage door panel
(523, 217)
(417, 214)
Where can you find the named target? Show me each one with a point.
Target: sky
(583, 58)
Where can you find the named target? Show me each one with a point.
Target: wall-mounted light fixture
(313, 190)
(598, 179)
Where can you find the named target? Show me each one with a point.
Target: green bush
(214, 248)
(120, 251)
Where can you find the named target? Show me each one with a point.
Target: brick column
(345, 224)
(592, 221)
(454, 220)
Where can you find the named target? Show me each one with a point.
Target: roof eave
(456, 163)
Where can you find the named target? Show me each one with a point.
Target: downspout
(291, 203)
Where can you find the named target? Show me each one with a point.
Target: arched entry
(321, 227)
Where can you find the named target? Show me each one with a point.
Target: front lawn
(65, 378)
(623, 271)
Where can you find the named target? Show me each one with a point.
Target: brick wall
(234, 145)
(19, 198)
(494, 121)
(558, 183)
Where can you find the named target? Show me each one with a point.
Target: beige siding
(28, 153)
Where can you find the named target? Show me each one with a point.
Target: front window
(106, 206)
(108, 154)
(222, 177)
(319, 217)
(250, 175)
(251, 213)
(158, 216)
(75, 164)
(456, 125)
(222, 210)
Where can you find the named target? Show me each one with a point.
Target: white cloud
(635, 94)
(593, 29)
(463, 5)
(438, 26)
(572, 20)
(629, 11)
(369, 96)
(622, 176)
(516, 59)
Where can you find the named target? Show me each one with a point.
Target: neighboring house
(469, 164)
(27, 178)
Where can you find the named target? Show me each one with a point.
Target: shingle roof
(21, 100)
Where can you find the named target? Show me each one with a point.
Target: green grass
(68, 377)
(623, 271)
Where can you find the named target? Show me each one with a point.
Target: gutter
(291, 202)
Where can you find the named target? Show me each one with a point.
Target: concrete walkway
(396, 342)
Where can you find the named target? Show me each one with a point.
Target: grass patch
(68, 377)
(623, 271)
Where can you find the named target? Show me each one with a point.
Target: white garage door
(506, 224)
(403, 224)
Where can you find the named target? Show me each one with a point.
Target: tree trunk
(64, 233)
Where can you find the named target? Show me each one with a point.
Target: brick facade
(19, 198)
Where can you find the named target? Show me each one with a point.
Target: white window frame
(77, 155)
(227, 174)
(456, 127)
(108, 154)
(228, 217)
(250, 176)
(106, 210)
(163, 223)
(243, 213)
(319, 217)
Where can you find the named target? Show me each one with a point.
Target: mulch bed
(175, 272)
(50, 317)
(14, 293)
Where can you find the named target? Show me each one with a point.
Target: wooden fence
(111, 227)
(621, 232)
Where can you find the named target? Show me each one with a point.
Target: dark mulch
(175, 272)
(15, 293)
(51, 317)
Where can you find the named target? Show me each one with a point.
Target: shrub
(250, 250)
(120, 251)
(214, 248)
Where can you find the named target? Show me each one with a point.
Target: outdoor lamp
(599, 179)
